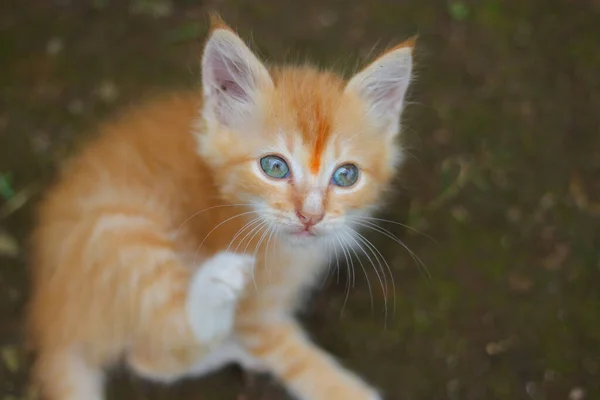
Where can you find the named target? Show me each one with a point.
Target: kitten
(186, 234)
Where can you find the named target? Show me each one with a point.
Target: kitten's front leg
(209, 309)
(214, 292)
(308, 372)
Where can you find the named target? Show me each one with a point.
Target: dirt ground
(502, 181)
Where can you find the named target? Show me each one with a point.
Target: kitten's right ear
(383, 84)
(232, 77)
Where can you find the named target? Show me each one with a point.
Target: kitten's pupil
(343, 174)
(276, 166)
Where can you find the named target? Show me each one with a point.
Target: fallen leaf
(10, 357)
(577, 393)
(54, 46)
(580, 196)
(460, 214)
(458, 11)
(107, 91)
(495, 348)
(19, 200)
(9, 247)
(6, 189)
(556, 259)
(519, 282)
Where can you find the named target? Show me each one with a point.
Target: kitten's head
(309, 151)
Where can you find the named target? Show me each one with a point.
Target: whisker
(379, 256)
(352, 269)
(389, 269)
(252, 232)
(332, 247)
(218, 225)
(390, 235)
(361, 238)
(329, 257)
(188, 219)
(223, 222)
(348, 274)
(273, 229)
(277, 230)
(324, 280)
(257, 230)
(351, 262)
(367, 219)
(337, 260)
(257, 247)
(237, 234)
(249, 230)
(349, 234)
(242, 229)
(260, 227)
(382, 282)
(262, 238)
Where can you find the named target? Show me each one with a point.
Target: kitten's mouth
(307, 232)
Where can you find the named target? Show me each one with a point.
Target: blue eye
(275, 167)
(345, 176)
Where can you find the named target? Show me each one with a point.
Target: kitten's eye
(345, 176)
(275, 167)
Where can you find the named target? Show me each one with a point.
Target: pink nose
(309, 219)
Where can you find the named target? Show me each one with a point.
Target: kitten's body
(134, 252)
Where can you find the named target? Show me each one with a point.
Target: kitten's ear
(232, 77)
(383, 84)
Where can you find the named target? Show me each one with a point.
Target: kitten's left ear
(383, 84)
(232, 77)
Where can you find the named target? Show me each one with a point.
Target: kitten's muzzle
(309, 219)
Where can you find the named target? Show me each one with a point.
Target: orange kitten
(184, 237)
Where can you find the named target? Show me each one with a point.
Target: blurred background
(501, 185)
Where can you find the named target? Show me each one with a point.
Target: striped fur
(173, 188)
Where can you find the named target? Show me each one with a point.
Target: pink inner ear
(387, 98)
(227, 75)
(383, 84)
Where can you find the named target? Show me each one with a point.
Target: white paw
(214, 291)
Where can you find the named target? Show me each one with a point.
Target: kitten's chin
(303, 238)
(304, 243)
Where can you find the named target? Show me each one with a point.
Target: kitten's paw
(231, 272)
(214, 291)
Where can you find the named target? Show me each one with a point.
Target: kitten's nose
(309, 219)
